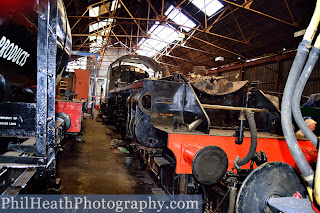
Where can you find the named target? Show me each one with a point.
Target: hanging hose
(254, 137)
(286, 113)
(317, 176)
(312, 60)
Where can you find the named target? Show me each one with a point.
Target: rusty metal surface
(216, 85)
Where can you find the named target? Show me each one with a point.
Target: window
(97, 44)
(113, 5)
(98, 25)
(98, 29)
(208, 6)
(94, 12)
(179, 18)
(160, 37)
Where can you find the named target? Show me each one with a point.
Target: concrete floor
(91, 167)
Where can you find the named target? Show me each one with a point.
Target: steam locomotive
(205, 135)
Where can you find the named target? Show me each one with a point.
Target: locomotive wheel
(270, 180)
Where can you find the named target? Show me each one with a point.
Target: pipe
(254, 138)
(165, 72)
(317, 176)
(313, 25)
(286, 113)
(296, 111)
(239, 139)
(286, 116)
(232, 199)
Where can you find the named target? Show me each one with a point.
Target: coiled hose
(254, 138)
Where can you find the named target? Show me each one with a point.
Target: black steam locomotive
(205, 135)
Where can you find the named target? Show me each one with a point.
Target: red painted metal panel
(276, 149)
(74, 110)
(82, 83)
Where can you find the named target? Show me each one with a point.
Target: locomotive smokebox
(209, 163)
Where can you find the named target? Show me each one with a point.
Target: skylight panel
(107, 21)
(113, 5)
(159, 37)
(91, 38)
(179, 18)
(208, 6)
(100, 24)
(93, 27)
(162, 32)
(94, 12)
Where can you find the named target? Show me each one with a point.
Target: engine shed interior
(167, 106)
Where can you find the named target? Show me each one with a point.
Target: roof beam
(134, 19)
(218, 19)
(260, 13)
(79, 19)
(244, 38)
(152, 7)
(206, 42)
(170, 22)
(293, 21)
(69, 4)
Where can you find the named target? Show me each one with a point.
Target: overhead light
(219, 58)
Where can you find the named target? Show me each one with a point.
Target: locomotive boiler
(208, 136)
